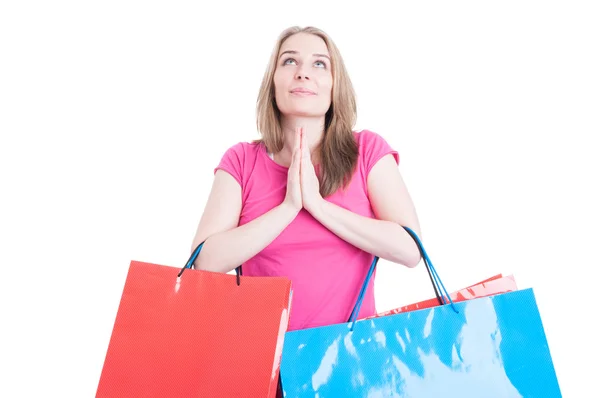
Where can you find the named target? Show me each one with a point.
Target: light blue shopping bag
(485, 347)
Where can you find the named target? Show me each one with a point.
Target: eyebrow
(296, 52)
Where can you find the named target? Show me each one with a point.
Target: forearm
(384, 239)
(225, 251)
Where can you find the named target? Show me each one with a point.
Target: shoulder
(239, 158)
(367, 138)
(242, 153)
(366, 135)
(243, 148)
(372, 146)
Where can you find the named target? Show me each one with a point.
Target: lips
(302, 91)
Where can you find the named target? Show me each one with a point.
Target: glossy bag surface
(200, 335)
(492, 346)
(494, 285)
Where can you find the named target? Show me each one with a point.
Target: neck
(313, 129)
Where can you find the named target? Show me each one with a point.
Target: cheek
(280, 82)
(326, 83)
(278, 90)
(327, 87)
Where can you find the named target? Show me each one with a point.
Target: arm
(393, 207)
(228, 245)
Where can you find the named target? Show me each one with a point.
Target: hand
(309, 183)
(293, 195)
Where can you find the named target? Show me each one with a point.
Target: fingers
(295, 164)
(297, 139)
(297, 147)
(304, 145)
(295, 158)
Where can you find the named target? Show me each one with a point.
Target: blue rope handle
(436, 279)
(428, 263)
(192, 259)
(363, 289)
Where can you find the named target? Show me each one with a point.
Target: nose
(301, 74)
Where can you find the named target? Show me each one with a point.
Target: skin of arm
(227, 245)
(392, 205)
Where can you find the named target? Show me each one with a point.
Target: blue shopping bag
(485, 347)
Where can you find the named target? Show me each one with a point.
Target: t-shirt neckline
(271, 159)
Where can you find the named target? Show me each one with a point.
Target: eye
(287, 61)
(321, 64)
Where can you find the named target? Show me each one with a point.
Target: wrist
(317, 208)
(288, 210)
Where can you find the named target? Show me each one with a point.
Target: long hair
(338, 149)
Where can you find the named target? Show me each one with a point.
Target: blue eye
(292, 61)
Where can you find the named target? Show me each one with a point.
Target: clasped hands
(303, 184)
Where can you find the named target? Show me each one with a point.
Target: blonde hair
(338, 149)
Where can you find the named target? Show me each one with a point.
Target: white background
(113, 115)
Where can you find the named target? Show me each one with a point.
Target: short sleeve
(232, 162)
(374, 147)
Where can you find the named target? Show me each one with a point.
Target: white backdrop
(113, 115)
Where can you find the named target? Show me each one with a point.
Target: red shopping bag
(203, 334)
(495, 285)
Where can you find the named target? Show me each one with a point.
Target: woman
(313, 200)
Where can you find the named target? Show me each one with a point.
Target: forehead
(304, 43)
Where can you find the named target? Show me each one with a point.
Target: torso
(326, 271)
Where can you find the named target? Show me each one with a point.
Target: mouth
(302, 91)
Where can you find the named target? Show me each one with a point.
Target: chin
(300, 113)
(304, 112)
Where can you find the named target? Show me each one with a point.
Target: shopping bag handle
(435, 279)
(194, 255)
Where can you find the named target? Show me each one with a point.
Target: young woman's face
(303, 77)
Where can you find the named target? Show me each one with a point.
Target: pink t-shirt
(326, 271)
